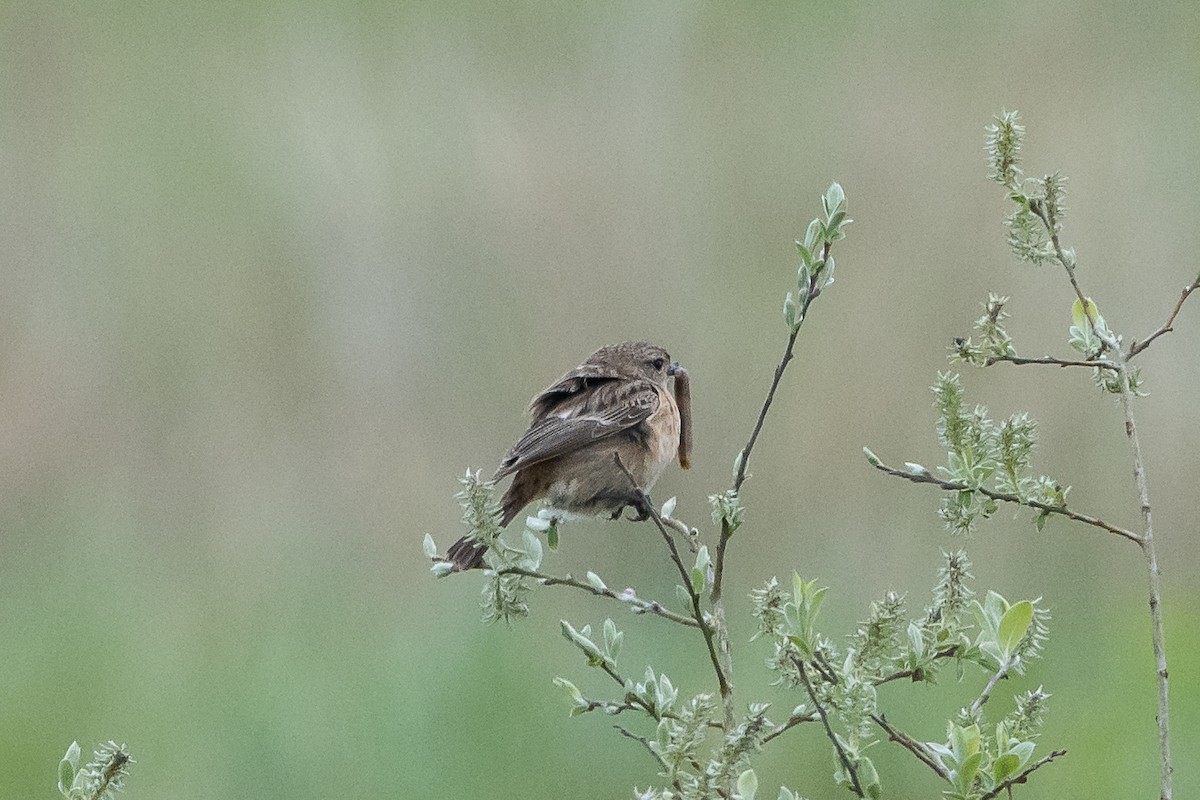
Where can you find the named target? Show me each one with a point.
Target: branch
(1136, 347)
(645, 743)
(837, 745)
(954, 486)
(639, 605)
(646, 507)
(1050, 361)
(912, 745)
(793, 721)
(986, 694)
(1146, 539)
(948, 652)
(744, 458)
(1024, 776)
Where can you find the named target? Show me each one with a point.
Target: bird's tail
(467, 552)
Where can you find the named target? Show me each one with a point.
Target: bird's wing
(583, 379)
(605, 410)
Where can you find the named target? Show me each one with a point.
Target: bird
(609, 420)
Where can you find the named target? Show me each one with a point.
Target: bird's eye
(658, 363)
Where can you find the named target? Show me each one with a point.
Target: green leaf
(968, 770)
(1014, 625)
(747, 785)
(552, 537)
(429, 547)
(835, 198)
(805, 253)
(789, 310)
(572, 689)
(66, 774)
(700, 571)
(684, 599)
(1079, 318)
(595, 581)
(810, 235)
(668, 508)
(1004, 766)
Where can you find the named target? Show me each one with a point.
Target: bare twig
(645, 506)
(912, 673)
(837, 745)
(912, 745)
(1146, 539)
(1168, 326)
(638, 604)
(814, 291)
(1024, 776)
(793, 721)
(954, 486)
(1050, 361)
(986, 694)
(646, 744)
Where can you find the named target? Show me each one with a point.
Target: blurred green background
(275, 274)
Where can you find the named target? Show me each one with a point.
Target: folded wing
(603, 411)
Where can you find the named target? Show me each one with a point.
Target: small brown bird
(614, 404)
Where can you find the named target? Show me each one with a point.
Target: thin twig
(955, 486)
(744, 459)
(639, 605)
(912, 745)
(1050, 361)
(912, 673)
(1168, 326)
(986, 694)
(645, 506)
(837, 745)
(1024, 776)
(645, 743)
(1146, 539)
(793, 721)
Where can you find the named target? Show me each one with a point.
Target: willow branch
(638, 605)
(1050, 361)
(955, 486)
(1168, 326)
(1024, 776)
(912, 745)
(837, 745)
(642, 501)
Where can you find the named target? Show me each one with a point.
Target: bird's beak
(674, 369)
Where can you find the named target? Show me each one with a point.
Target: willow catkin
(683, 399)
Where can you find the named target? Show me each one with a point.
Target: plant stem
(955, 486)
(855, 786)
(1146, 540)
(638, 605)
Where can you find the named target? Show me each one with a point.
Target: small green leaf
(835, 198)
(810, 235)
(747, 785)
(552, 537)
(595, 581)
(1078, 317)
(668, 508)
(1004, 766)
(441, 569)
(1014, 625)
(789, 310)
(700, 571)
(429, 547)
(805, 253)
(66, 774)
(572, 689)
